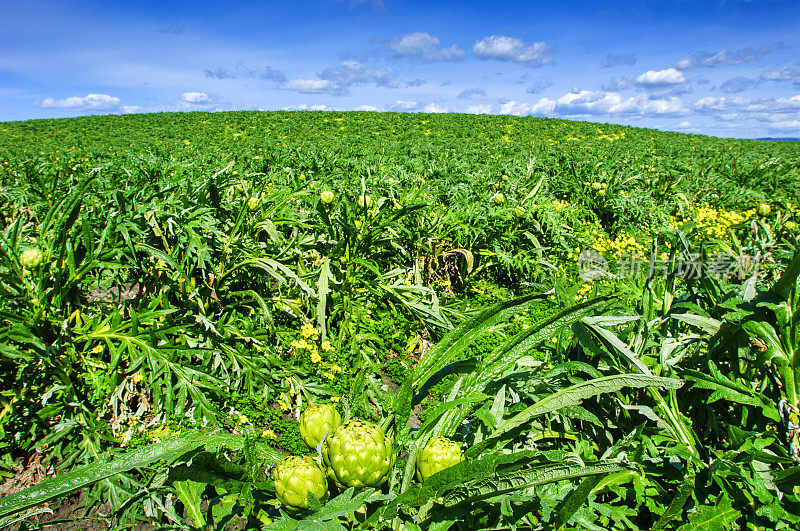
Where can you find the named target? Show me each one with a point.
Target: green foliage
(175, 290)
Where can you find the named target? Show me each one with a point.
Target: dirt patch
(26, 475)
(391, 388)
(128, 291)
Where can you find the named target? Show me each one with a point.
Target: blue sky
(726, 68)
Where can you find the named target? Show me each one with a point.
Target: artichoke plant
(316, 421)
(326, 196)
(295, 477)
(440, 453)
(31, 258)
(358, 454)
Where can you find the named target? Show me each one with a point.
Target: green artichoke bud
(254, 203)
(295, 477)
(764, 210)
(440, 453)
(364, 201)
(316, 421)
(358, 454)
(326, 197)
(31, 258)
(499, 198)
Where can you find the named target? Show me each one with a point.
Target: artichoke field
(384, 321)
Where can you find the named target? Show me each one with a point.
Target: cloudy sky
(726, 68)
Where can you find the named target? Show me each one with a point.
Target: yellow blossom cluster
(582, 292)
(602, 243)
(308, 330)
(611, 136)
(308, 344)
(623, 244)
(560, 205)
(715, 223)
(331, 374)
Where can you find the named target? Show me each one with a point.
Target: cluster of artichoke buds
(31, 258)
(295, 477)
(355, 454)
(358, 454)
(317, 421)
(440, 453)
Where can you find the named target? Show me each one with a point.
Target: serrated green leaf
(573, 395)
(719, 517)
(101, 469)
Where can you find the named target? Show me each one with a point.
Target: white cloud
(470, 92)
(402, 106)
(787, 125)
(615, 84)
(586, 102)
(503, 48)
(479, 109)
(266, 73)
(599, 102)
(684, 124)
(434, 107)
(539, 86)
(132, 109)
(366, 108)
(337, 81)
(668, 76)
(787, 73)
(776, 105)
(726, 57)
(424, 47)
(197, 98)
(737, 84)
(414, 106)
(771, 106)
(355, 73)
(304, 107)
(518, 108)
(219, 73)
(90, 101)
(308, 86)
(515, 107)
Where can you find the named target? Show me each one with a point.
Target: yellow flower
(335, 399)
(98, 349)
(308, 330)
(300, 345)
(328, 375)
(284, 405)
(315, 357)
(326, 346)
(336, 369)
(269, 434)
(137, 377)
